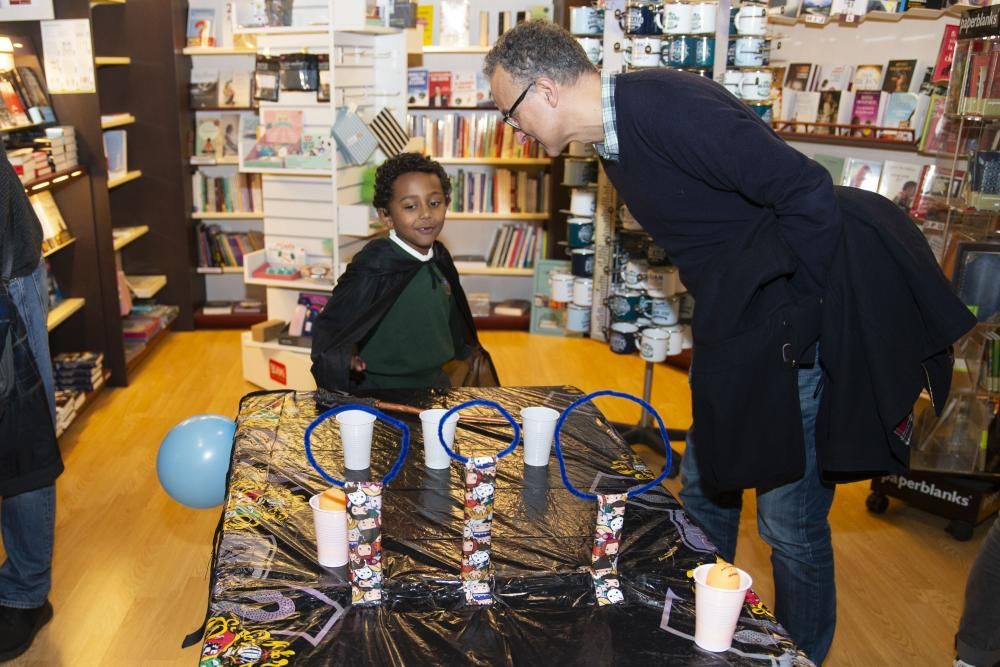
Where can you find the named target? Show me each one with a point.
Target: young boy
(398, 314)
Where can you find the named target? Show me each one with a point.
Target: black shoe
(18, 628)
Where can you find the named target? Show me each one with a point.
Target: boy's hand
(357, 364)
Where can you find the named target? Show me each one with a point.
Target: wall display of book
(872, 114)
(231, 193)
(279, 141)
(212, 89)
(216, 136)
(900, 182)
(502, 191)
(221, 248)
(514, 246)
(480, 135)
(23, 99)
(447, 89)
(54, 230)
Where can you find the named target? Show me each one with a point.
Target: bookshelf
(61, 246)
(113, 122)
(112, 61)
(124, 236)
(227, 216)
(128, 177)
(61, 312)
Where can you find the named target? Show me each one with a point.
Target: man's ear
(548, 89)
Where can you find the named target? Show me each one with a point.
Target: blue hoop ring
(585, 495)
(396, 467)
(489, 404)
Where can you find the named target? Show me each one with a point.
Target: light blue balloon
(194, 458)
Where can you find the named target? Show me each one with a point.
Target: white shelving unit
(311, 208)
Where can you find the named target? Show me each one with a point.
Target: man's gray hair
(535, 49)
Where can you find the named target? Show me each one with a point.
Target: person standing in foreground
(29, 454)
(790, 391)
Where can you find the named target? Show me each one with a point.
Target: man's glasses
(507, 116)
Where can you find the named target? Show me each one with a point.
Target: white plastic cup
(538, 428)
(331, 534)
(435, 456)
(717, 610)
(356, 427)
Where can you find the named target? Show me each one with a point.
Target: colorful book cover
(899, 76)
(806, 111)
(834, 77)
(484, 94)
(816, 9)
(833, 164)
(946, 54)
(940, 133)
(417, 87)
(204, 88)
(787, 8)
(207, 137)
(201, 26)
(439, 88)
(865, 114)
(938, 185)
(829, 111)
(234, 89)
(463, 89)
(425, 22)
(862, 174)
(901, 112)
(867, 77)
(899, 182)
(229, 132)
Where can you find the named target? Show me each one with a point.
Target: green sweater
(421, 332)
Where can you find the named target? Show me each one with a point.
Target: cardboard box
(267, 330)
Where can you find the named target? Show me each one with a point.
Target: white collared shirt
(410, 251)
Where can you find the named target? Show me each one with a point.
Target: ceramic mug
(675, 344)
(749, 52)
(653, 344)
(579, 232)
(731, 80)
(654, 304)
(593, 47)
(560, 287)
(687, 306)
(751, 20)
(625, 46)
(663, 279)
(624, 305)
(634, 272)
(646, 51)
(704, 51)
(703, 17)
(642, 19)
(583, 291)
(676, 18)
(682, 52)
(583, 201)
(577, 318)
(586, 20)
(622, 337)
(756, 86)
(643, 323)
(583, 262)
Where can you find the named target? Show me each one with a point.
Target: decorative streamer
(364, 539)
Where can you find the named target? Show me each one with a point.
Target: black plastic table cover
(271, 603)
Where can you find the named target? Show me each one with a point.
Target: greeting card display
(610, 507)
(364, 511)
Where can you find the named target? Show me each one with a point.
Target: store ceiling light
(5, 45)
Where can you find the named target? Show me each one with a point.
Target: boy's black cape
(373, 281)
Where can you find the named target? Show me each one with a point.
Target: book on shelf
(502, 191)
(469, 135)
(905, 111)
(938, 185)
(201, 27)
(229, 135)
(946, 54)
(39, 105)
(899, 75)
(978, 80)
(514, 246)
(454, 29)
(940, 133)
(866, 113)
(848, 11)
(834, 77)
(218, 248)
(833, 164)
(14, 112)
(204, 88)
(799, 76)
(116, 152)
(234, 89)
(789, 9)
(425, 23)
(208, 137)
(417, 87)
(807, 111)
(231, 193)
(54, 230)
(463, 89)
(217, 308)
(249, 306)
(984, 172)
(816, 10)
(899, 182)
(867, 77)
(512, 308)
(439, 88)
(862, 174)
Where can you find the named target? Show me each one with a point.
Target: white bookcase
(320, 210)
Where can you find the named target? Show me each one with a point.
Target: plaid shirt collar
(609, 149)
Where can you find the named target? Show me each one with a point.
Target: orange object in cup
(333, 500)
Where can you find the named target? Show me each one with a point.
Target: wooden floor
(131, 566)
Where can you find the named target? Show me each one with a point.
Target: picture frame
(26, 10)
(975, 277)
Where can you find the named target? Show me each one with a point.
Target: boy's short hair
(405, 163)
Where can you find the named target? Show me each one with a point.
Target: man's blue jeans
(793, 520)
(27, 520)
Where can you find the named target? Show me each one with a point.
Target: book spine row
(218, 248)
(469, 136)
(515, 246)
(989, 374)
(502, 191)
(239, 193)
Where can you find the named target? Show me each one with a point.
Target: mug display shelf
(918, 13)
(874, 141)
(64, 244)
(126, 235)
(122, 180)
(117, 120)
(464, 215)
(62, 311)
